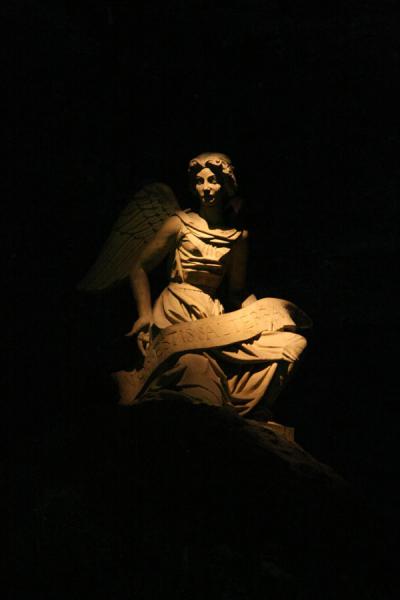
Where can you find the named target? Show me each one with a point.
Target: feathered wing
(137, 224)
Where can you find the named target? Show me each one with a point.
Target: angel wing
(136, 225)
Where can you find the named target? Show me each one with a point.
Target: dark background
(109, 96)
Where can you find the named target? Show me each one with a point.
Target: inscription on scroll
(267, 314)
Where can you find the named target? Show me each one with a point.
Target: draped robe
(246, 376)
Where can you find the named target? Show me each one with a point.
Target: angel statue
(240, 358)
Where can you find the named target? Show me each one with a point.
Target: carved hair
(220, 164)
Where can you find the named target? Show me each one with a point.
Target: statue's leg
(126, 386)
(240, 375)
(197, 375)
(262, 368)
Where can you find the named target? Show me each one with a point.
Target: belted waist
(207, 282)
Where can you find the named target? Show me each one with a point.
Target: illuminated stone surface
(243, 358)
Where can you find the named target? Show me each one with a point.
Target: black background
(109, 96)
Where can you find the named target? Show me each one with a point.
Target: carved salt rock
(272, 317)
(193, 493)
(283, 430)
(191, 345)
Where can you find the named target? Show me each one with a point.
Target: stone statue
(242, 358)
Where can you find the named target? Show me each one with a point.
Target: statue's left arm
(237, 270)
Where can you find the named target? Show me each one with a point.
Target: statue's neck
(213, 216)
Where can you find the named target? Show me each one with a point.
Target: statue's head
(217, 165)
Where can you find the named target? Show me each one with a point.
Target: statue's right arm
(151, 255)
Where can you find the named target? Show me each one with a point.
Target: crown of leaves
(215, 158)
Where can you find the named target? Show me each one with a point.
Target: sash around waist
(206, 282)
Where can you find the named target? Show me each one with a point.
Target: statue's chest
(215, 250)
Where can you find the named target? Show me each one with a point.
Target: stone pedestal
(283, 430)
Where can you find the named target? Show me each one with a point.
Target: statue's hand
(141, 327)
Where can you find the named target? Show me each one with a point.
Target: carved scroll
(267, 314)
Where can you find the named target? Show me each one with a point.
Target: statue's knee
(295, 347)
(194, 362)
(301, 343)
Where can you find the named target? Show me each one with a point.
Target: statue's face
(207, 187)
